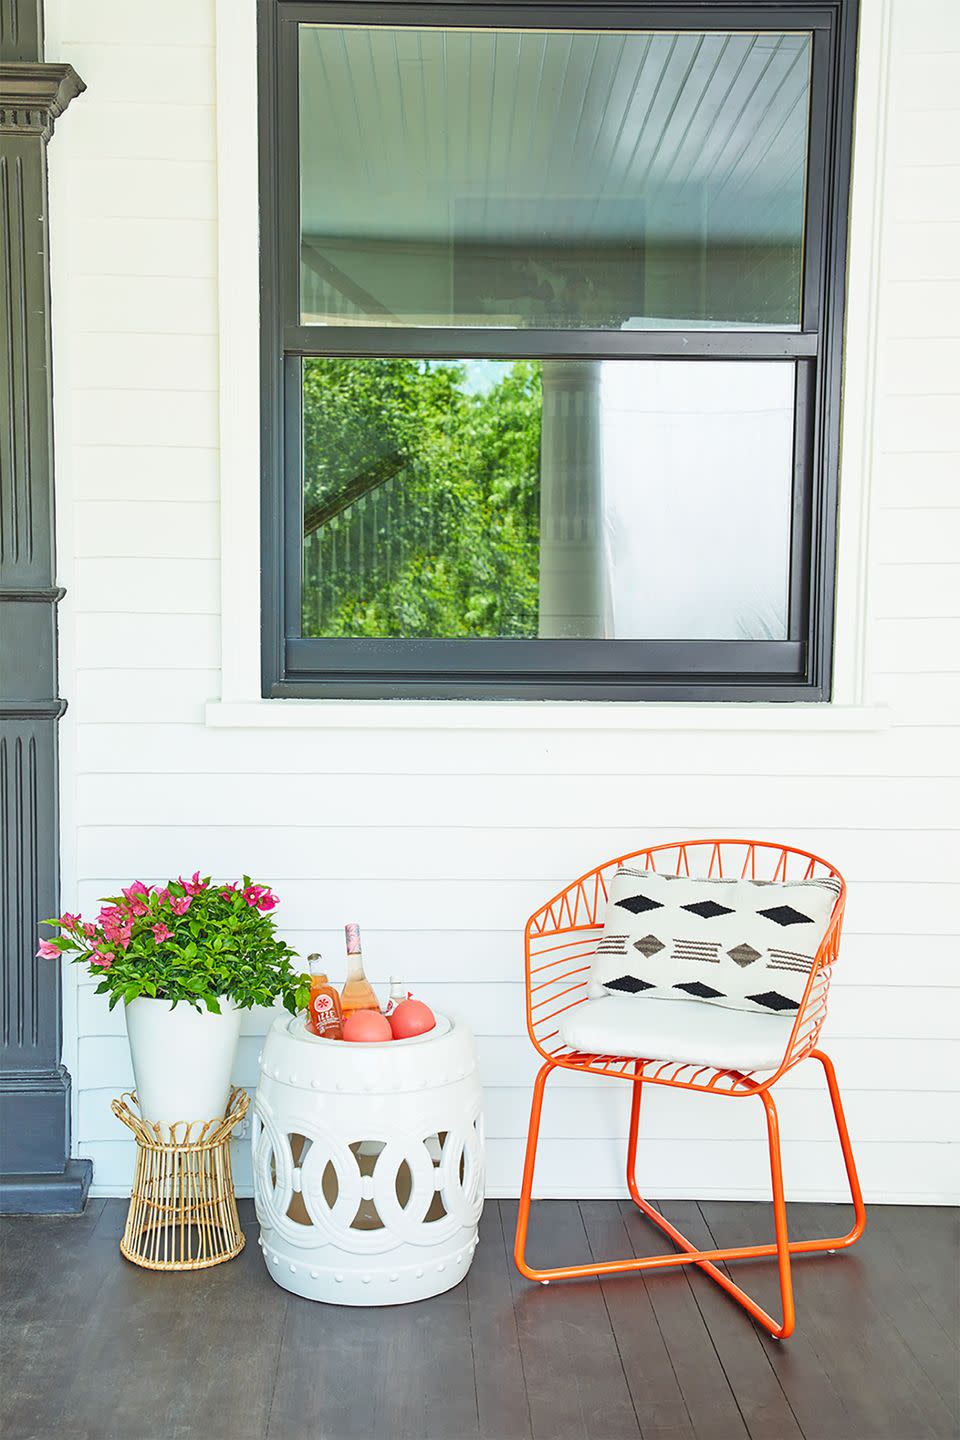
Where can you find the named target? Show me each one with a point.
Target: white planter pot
(182, 1059)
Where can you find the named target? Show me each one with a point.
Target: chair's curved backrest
(561, 937)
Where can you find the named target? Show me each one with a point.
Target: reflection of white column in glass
(572, 587)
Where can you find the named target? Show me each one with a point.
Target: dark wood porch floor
(95, 1349)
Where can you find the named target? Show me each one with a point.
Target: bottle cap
(353, 938)
(315, 962)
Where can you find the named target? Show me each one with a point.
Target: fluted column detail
(572, 579)
(38, 1174)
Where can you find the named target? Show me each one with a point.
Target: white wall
(440, 834)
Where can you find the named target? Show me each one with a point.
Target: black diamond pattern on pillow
(636, 904)
(699, 990)
(743, 954)
(707, 909)
(711, 940)
(786, 915)
(648, 945)
(773, 1000)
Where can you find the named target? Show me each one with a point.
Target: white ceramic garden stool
(368, 1163)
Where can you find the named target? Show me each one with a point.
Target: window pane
(629, 499)
(559, 179)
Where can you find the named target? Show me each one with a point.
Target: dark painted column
(36, 1172)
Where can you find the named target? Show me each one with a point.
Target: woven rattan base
(183, 1212)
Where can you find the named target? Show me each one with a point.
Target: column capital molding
(33, 95)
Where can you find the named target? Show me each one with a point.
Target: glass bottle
(357, 993)
(397, 995)
(324, 1012)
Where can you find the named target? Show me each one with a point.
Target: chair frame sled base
(688, 1253)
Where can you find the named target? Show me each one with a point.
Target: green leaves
(223, 945)
(458, 555)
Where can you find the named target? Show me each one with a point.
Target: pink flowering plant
(188, 940)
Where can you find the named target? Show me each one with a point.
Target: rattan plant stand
(183, 1212)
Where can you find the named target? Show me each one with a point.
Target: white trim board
(540, 715)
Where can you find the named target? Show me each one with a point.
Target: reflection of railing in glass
(357, 541)
(420, 498)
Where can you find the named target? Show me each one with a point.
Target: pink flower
(48, 951)
(136, 897)
(104, 961)
(163, 896)
(68, 921)
(261, 896)
(193, 886)
(115, 922)
(228, 891)
(180, 904)
(161, 933)
(89, 929)
(122, 937)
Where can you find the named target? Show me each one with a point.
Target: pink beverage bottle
(357, 992)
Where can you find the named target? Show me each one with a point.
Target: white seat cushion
(684, 1030)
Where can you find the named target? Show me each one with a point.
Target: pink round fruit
(367, 1026)
(410, 1018)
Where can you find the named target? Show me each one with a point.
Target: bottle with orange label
(324, 1012)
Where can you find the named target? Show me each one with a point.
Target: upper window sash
(747, 19)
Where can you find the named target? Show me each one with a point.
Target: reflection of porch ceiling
(417, 134)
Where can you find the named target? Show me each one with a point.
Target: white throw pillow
(741, 944)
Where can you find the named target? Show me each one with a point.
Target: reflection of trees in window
(421, 498)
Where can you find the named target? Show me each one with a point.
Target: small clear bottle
(357, 992)
(397, 994)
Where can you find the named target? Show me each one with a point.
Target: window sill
(811, 718)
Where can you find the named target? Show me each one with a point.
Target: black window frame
(797, 668)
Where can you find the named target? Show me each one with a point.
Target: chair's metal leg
(633, 1135)
(526, 1187)
(704, 1259)
(779, 1218)
(853, 1179)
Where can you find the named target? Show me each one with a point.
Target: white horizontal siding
(904, 752)
(151, 529)
(447, 853)
(138, 130)
(177, 474)
(681, 802)
(510, 1063)
(589, 1168)
(152, 304)
(603, 1111)
(441, 841)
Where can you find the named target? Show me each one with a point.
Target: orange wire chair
(560, 941)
